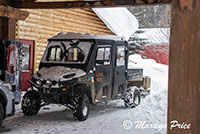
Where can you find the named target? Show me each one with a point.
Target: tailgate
(135, 74)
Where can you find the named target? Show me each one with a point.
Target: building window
(25, 57)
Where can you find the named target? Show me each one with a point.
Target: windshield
(67, 51)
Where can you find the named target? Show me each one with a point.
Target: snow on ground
(103, 119)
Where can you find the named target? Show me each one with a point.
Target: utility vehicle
(77, 70)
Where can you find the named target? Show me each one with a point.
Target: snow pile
(157, 72)
(154, 107)
(103, 119)
(119, 20)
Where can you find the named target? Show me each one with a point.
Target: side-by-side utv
(79, 69)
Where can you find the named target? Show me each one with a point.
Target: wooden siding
(43, 24)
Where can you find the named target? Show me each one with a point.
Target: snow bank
(158, 72)
(119, 20)
(154, 107)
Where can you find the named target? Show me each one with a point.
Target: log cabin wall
(43, 24)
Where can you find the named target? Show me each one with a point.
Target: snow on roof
(156, 35)
(119, 20)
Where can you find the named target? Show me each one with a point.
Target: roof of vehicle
(71, 35)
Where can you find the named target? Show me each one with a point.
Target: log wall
(43, 24)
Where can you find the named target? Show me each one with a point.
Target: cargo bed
(136, 78)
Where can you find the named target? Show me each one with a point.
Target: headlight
(38, 82)
(8, 86)
(48, 82)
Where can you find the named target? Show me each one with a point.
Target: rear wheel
(132, 98)
(81, 107)
(136, 98)
(1, 113)
(31, 103)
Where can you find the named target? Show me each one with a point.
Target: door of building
(27, 58)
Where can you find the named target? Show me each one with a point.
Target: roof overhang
(33, 4)
(13, 13)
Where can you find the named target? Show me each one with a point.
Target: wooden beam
(84, 4)
(8, 28)
(184, 68)
(4, 2)
(186, 5)
(13, 13)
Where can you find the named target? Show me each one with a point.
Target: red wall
(160, 53)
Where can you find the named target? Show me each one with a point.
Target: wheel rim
(25, 102)
(85, 109)
(136, 100)
(28, 103)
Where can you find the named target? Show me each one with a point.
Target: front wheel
(31, 103)
(81, 107)
(1, 113)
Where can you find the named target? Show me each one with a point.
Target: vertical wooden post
(184, 67)
(8, 28)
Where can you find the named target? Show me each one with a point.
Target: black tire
(31, 103)
(136, 98)
(1, 114)
(82, 107)
(125, 104)
(132, 99)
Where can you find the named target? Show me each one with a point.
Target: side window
(55, 54)
(103, 56)
(100, 54)
(120, 56)
(107, 56)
